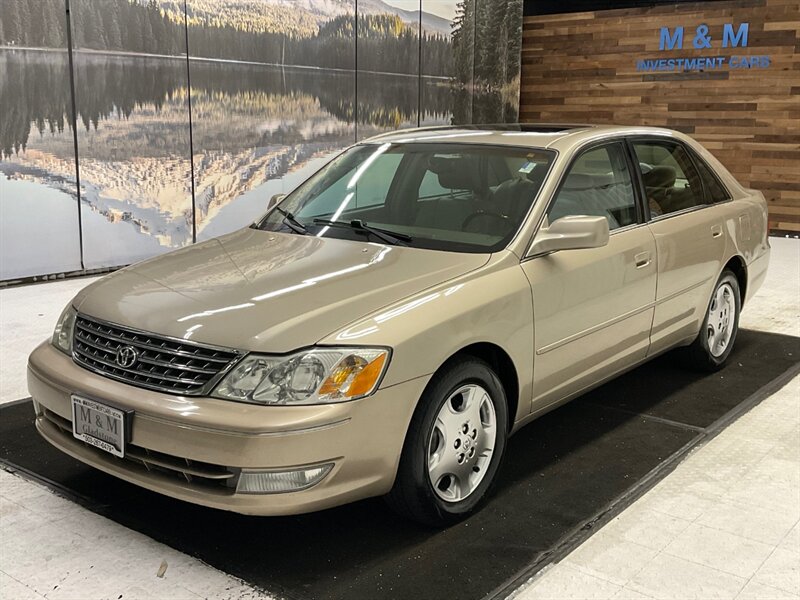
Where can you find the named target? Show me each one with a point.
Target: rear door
(689, 237)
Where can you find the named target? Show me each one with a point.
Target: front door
(593, 308)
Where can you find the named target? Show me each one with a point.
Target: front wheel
(714, 343)
(454, 445)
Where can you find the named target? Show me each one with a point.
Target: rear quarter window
(714, 190)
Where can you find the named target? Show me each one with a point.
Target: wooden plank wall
(581, 67)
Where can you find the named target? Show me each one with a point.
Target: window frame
(632, 168)
(631, 140)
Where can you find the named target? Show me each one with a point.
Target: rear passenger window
(598, 184)
(715, 191)
(670, 179)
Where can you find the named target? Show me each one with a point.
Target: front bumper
(207, 439)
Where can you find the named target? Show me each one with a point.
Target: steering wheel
(485, 213)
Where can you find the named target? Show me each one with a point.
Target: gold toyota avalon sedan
(384, 328)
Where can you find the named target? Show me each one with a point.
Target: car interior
(670, 180)
(482, 194)
(471, 196)
(598, 184)
(594, 195)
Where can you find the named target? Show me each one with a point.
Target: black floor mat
(560, 472)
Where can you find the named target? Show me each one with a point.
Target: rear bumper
(363, 439)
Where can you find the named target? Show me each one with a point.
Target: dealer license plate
(98, 424)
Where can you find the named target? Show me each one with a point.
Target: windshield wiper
(390, 237)
(291, 222)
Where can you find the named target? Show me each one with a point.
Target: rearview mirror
(275, 199)
(571, 233)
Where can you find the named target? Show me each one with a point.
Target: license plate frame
(100, 424)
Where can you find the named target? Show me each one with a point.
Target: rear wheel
(714, 343)
(454, 445)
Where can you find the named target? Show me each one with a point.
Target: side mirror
(571, 233)
(275, 199)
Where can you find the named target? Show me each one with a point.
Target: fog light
(276, 482)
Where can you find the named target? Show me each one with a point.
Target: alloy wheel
(721, 320)
(462, 443)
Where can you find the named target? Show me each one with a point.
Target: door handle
(642, 260)
(716, 231)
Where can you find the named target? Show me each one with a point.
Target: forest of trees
(487, 41)
(385, 43)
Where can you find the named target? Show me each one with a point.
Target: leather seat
(583, 194)
(659, 182)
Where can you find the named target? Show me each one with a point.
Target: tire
(707, 352)
(437, 440)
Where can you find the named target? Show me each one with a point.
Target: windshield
(456, 197)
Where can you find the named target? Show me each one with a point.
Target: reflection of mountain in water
(251, 124)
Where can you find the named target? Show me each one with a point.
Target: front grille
(161, 364)
(191, 471)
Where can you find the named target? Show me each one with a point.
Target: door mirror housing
(571, 233)
(275, 200)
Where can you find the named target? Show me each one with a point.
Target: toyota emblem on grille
(127, 356)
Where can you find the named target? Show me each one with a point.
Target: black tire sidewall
(457, 375)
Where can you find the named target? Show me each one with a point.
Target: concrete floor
(724, 524)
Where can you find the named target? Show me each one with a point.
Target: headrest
(514, 196)
(579, 182)
(454, 173)
(662, 176)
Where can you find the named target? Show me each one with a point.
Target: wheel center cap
(467, 443)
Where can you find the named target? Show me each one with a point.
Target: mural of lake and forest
(176, 146)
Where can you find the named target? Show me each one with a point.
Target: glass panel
(670, 180)
(439, 91)
(497, 47)
(133, 130)
(715, 191)
(388, 65)
(479, 198)
(372, 187)
(447, 61)
(39, 231)
(598, 184)
(271, 102)
(352, 189)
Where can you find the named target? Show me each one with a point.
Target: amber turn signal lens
(353, 377)
(344, 371)
(366, 380)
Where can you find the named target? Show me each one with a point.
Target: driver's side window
(598, 183)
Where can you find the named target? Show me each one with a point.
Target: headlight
(316, 376)
(62, 336)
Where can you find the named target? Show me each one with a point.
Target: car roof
(540, 135)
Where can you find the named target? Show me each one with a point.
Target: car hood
(265, 291)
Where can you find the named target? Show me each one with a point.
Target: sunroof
(522, 127)
(551, 127)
